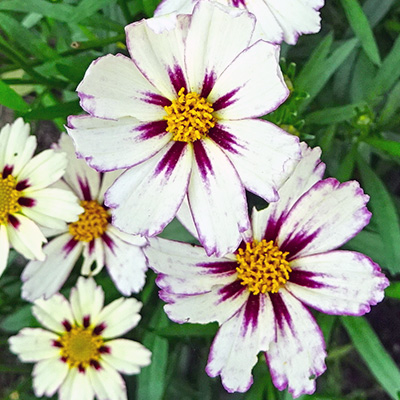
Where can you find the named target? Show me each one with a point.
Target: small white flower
(181, 116)
(92, 235)
(78, 355)
(259, 293)
(25, 199)
(277, 20)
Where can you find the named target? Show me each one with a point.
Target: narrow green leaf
(333, 115)
(393, 290)
(188, 330)
(373, 353)
(375, 10)
(58, 111)
(388, 73)
(360, 25)
(384, 214)
(149, 6)
(11, 99)
(86, 8)
(363, 74)
(19, 319)
(390, 146)
(346, 168)
(391, 106)
(325, 140)
(317, 79)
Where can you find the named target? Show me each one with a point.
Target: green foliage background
(345, 99)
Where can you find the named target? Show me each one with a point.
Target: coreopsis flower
(77, 354)
(260, 293)
(25, 199)
(180, 116)
(277, 20)
(92, 236)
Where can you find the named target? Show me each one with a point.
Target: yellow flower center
(8, 198)
(91, 224)
(262, 267)
(189, 117)
(80, 346)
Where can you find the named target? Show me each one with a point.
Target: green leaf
(393, 290)
(19, 319)
(390, 146)
(152, 379)
(392, 105)
(346, 167)
(86, 8)
(188, 330)
(384, 214)
(149, 6)
(11, 99)
(373, 353)
(62, 110)
(363, 74)
(333, 115)
(360, 25)
(375, 10)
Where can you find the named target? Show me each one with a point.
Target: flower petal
(337, 282)
(4, 248)
(156, 46)
(45, 278)
(243, 92)
(324, 218)
(307, 172)
(32, 345)
(86, 300)
(235, 348)
(186, 269)
(48, 376)
(263, 154)
(219, 303)
(26, 237)
(76, 386)
(114, 88)
(107, 383)
(127, 356)
(297, 356)
(51, 313)
(135, 196)
(119, 144)
(177, 6)
(126, 265)
(184, 215)
(119, 317)
(206, 59)
(217, 200)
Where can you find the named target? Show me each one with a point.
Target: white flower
(259, 293)
(92, 235)
(78, 355)
(277, 20)
(181, 116)
(25, 200)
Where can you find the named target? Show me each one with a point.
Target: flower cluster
(176, 130)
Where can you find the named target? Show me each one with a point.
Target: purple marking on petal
(202, 159)
(305, 278)
(95, 364)
(81, 369)
(105, 350)
(225, 100)
(220, 267)
(157, 99)
(86, 321)
(280, 310)
(296, 244)
(177, 78)
(7, 170)
(91, 247)
(85, 188)
(64, 359)
(99, 328)
(171, 158)
(14, 221)
(26, 202)
(152, 129)
(251, 311)
(271, 231)
(56, 343)
(238, 3)
(223, 138)
(234, 289)
(68, 247)
(108, 241)
(208, 84)
(67, 325)
(22, 185)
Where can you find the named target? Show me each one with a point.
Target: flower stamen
(91, 224)
(189, 117)
(262, 267)
(8, 198)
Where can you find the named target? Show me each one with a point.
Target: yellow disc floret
(91, 224)
(189, 117)
(262, 267)
(80, 346)
(8, 198)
